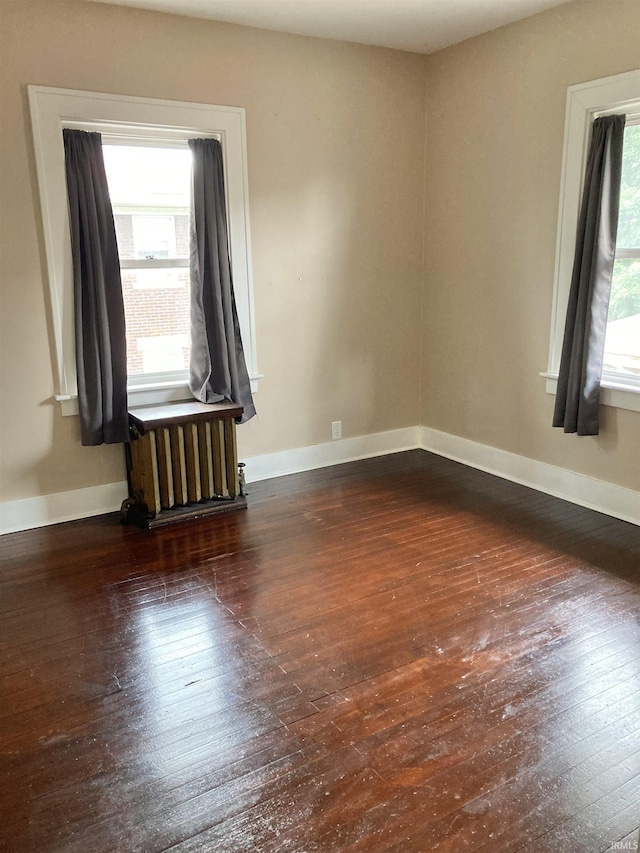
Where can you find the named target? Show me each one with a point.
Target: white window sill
(153, 394)
(615, 394)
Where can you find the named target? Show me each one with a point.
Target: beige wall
(336, 154)
(495, 124)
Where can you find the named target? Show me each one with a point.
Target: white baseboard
(61, 506)
(577, 488)
(332, 453)
(97, 500)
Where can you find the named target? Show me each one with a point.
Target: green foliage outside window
(625, 287)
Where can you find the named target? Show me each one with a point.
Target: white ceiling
(423, 26)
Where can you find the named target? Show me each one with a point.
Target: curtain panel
(218, 369)
(101, 350)
(578, 393)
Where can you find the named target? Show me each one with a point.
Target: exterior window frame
(140, 121)
(586, 102)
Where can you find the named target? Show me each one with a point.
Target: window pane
(150, 192)
(156, 304)
(629, 217)
(151, 176)
(153, 236)
(622, 344)
(159, 279)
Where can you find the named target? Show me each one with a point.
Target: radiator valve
(241, 480)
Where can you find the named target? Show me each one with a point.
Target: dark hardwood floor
(399, 655)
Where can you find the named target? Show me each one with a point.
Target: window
(150, 194)
(585, 102)
(147, 158)
(622, 344)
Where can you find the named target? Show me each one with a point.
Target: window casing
(145, 122)
(586, 102)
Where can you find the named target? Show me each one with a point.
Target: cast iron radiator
(182, 462)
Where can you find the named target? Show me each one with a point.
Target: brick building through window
(156, 301)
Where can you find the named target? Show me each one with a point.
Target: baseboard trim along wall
(570, 486)
(97, 500)
(331, 453)
(61, 506)
(577, 488)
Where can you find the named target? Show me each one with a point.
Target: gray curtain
(578, 394)
(101, 350)
(218, 370)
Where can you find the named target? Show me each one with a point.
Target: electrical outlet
(336, 430)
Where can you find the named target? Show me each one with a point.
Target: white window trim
(586, 102)
(142, 119)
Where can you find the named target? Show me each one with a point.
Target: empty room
(320, 426)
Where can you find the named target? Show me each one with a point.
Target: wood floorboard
(399, 655)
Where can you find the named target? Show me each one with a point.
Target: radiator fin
(179, 465)
(165, 468)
